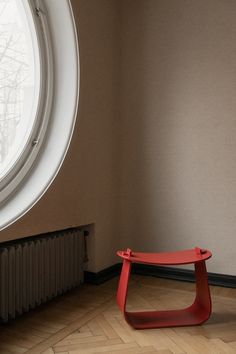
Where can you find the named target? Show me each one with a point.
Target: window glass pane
(19, 81)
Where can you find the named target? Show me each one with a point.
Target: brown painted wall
(179, 127)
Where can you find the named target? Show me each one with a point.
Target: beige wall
(85, 190)
(153, 157)
(179, 127)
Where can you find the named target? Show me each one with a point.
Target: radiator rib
(35, 271)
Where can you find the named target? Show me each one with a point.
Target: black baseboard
(173, 273)
(103, 275)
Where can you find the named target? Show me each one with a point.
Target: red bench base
(196, 314)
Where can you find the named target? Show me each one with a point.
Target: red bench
(195, 314)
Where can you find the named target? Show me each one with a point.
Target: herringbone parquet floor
(88, 321)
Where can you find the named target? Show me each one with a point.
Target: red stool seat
(195, 314)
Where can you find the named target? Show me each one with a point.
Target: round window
(38, 99)
(19, 82)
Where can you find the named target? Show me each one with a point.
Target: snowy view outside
(18, 94)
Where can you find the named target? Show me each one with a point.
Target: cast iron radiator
(38, 269)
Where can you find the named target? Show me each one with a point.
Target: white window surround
(61, 109)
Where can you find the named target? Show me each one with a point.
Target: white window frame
(43, 156)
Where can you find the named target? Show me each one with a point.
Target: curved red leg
(123, 285)
(195, 314)
(202, 304)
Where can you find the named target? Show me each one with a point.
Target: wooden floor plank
(86, 322)
(63, 333)
(93, 346)
(106, 327)
(108, 347)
